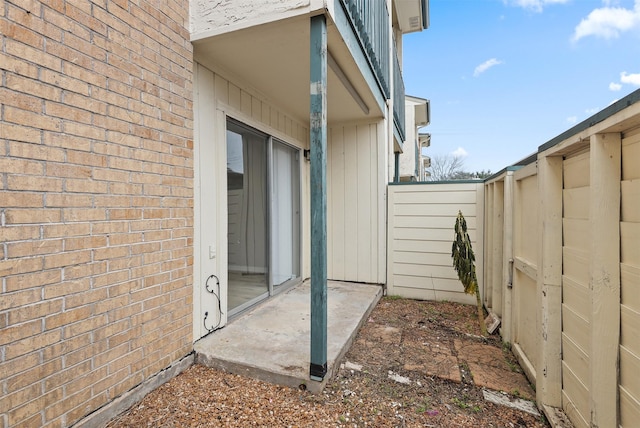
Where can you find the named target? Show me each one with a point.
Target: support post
(318, 143)
(604, 282)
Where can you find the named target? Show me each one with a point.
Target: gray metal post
(318, 118)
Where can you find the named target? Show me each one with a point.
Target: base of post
(317, 372)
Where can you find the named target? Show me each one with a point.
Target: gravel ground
(373, 388)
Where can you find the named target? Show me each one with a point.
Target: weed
(393, 297)
(424, 406)
(463, 404)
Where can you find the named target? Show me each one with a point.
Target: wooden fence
(562, 267)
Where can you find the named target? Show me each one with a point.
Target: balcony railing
(398, 96)
(370, 21)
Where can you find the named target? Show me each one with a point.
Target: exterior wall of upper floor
(96, 199)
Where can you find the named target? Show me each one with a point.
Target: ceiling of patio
(274, 60)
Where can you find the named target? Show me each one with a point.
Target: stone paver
(441, 365)
(489, 368)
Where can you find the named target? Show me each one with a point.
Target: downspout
(396, 173)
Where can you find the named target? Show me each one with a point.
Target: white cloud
(632, 79)
(608, 22)
(485, 66)
(591, 111)
(534, 5)
(572, 120)
(459, 152)
(614, 86)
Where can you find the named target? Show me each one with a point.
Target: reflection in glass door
(263, 199)
(247, 216)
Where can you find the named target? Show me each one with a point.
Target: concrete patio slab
(271, 342)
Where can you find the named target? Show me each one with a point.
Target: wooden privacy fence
(420, 233)
(562, 267)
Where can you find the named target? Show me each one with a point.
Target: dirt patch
(413, 364)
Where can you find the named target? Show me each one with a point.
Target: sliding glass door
(247, 216)
(285, 219)
(263, 194)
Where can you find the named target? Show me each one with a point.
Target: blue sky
(506, 76)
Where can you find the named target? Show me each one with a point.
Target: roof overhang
(421, 108)
(412, 15)
(424, 140)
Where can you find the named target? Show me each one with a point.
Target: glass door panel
(247, 216)
(285, 214)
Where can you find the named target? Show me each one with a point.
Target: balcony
(369, 20)
(398, 98)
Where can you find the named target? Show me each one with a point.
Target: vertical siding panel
(256, 109)
(245, 102)
(338, 203)
(382, 188)
(234, 96)
(265, 116)
(363, 183)
(222, 89)
(351, 203)
(375, 202)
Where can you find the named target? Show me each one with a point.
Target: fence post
(507, 259)
(604, 277)
(549, 282)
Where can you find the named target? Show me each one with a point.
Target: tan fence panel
(525, 266)
(576, 316)
(630, 281)
(421, 221)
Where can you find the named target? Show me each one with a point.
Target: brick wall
(96, 202)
